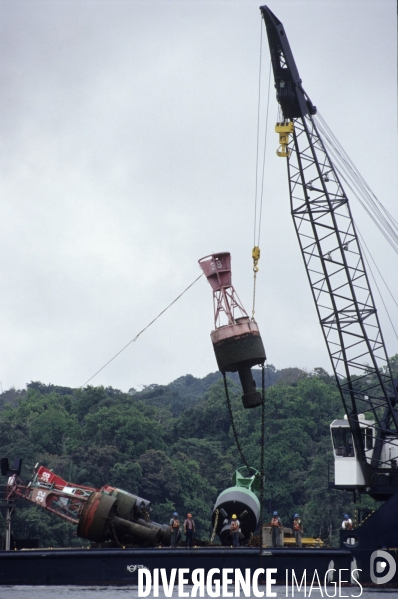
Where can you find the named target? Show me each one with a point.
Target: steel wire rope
(379, 225)
(256, 244)
(262, 455)
(377, 268)
(368, 196)
(344, 165)
(264, 153)
(379, 222)
(360, 193)
(351, 176)
(258, 133)
(238, 445)
(372, 197)
(262, 464)
(361, 240)
(231, 418)
(356, 172)
(144, 329)
(375, 282)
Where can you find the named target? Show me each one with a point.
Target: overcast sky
(128, 148)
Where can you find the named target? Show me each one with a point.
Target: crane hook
(256, 258)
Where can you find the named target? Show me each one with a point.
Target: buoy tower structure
(237, 343)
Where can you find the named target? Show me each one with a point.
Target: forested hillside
(173, 445)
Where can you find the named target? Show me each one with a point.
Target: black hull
(120, 566)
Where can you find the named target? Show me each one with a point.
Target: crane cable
(347, 171)
(231, 418)
(257, 229)
(374, 279)
(371, 198)
(140, 333)
(377, 212)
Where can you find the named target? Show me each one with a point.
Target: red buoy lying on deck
(237, 345)
(101, 515)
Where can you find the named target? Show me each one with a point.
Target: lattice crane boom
(337, 275)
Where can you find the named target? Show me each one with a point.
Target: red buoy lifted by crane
(237, 345)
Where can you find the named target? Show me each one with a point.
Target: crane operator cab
(347, 468)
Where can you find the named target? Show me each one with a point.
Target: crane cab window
(342, 442)
(367, 436)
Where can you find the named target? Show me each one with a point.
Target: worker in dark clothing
(235, 530)
(298, 530)
(175, 530)
(189, 529)
(276, 527)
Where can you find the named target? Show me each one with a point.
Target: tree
(174, 445)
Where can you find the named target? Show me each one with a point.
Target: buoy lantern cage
(237, 345)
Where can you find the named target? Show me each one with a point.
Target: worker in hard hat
(276, 529)
(347, 523)
(175, 530)
(235, 530)
(298, 530)
(189, 530)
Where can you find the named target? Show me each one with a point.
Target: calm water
(132, 592)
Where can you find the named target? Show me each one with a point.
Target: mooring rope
(140, 333)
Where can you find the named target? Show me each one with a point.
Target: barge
(366, 462)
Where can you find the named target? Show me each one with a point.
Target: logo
(383, 563)
(134, 568)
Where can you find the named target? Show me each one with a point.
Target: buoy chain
(118, 543)
(262, 465)
(254, 294)
(262, 458)
(214, 528)
(231, 417)
(256, 258)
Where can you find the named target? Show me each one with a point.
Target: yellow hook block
(256, 257)
(284, 130)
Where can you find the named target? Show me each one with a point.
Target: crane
(365, 442)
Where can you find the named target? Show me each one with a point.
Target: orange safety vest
(297, 524)
(275, 522)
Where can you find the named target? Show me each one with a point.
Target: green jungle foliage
(173, 444)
